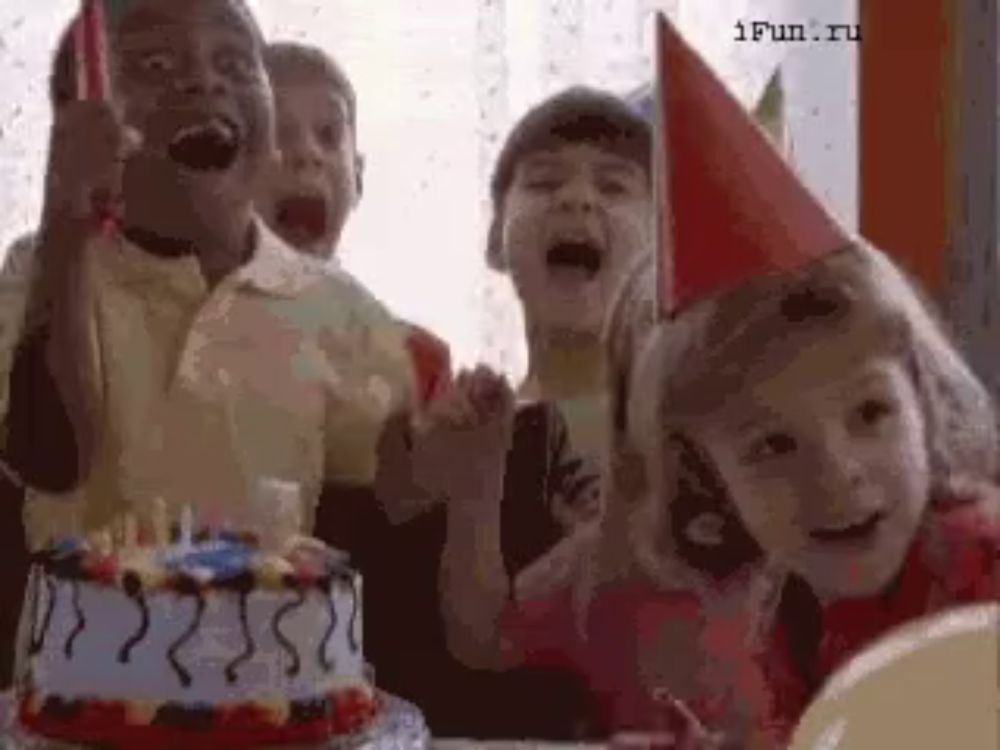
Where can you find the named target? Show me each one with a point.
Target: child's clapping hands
(460, 450)
(460, 441)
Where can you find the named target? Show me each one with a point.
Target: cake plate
(398, 726)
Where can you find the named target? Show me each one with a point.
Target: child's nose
(304, 154)
(837, 468)
(578, 194)
(200, 78)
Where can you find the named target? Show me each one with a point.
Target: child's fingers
(450, 391)
(482, 394)
(505, 394)
(474, 398)
(461, 382)
(458, 410)
(452, 413)
(441, 386)
(490, 391)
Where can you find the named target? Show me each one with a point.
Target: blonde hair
(677, 369)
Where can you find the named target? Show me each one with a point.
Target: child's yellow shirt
(285, 369)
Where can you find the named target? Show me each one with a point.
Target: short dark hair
(576, 115)
(63, 76)
(315, 62)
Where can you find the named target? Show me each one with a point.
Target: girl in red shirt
(799, 459)
(797, 466)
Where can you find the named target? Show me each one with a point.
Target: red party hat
(729, 206)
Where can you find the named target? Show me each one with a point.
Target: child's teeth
(219, 127)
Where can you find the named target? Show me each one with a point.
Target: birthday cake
(214, 642)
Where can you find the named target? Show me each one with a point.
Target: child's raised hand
(89, 144)
(461, 441)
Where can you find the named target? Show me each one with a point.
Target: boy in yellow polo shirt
(320, 177)
(190, 351)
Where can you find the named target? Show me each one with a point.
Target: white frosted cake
(214, 641)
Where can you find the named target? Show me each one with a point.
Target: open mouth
(851, 532)
(302, 218)
(210, 146)
(577, 257)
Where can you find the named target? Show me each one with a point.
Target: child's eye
(873, 411)
(156, 62)
(612, 187)
(236, 63)
(329, 134)
(772, 445)
(542, 185)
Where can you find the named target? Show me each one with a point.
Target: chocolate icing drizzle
(38, 637)
(81, 621)
(286, 609)
(191, 588)
(68, 561)
(324, 660)
(248, 649)
(36, 593)
(352, 639)
(133, 589)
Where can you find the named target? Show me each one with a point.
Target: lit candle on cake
(161, 526)
(130, 533)
(187, 527)
(103, 543)
(115, 529)
(278, 511)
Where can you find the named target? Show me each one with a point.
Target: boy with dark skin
(95, 151)
(180, 152)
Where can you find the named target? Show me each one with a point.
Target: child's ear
(496, 259)
(359, 176)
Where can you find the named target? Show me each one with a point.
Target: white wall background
(439, 83)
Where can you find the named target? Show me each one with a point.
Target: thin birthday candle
(247, 477)
(93, 81)
(160, 523)
(186, 540)
(130, 532)
(91, 43)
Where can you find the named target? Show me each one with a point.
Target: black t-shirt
(13, 572)
(404, 632)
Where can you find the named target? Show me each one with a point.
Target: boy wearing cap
(572, 199)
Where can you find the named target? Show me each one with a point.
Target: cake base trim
(135, 724)
(397, 724)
